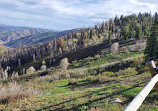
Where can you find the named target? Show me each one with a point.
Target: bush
(124, 49)
(64, 63)
(143, 69)
(102, 78)
(12, 97)
(138, 62)
(97, 56)
(43, 67)
(43, 63)
(30, 70)
(128, 70)
(65, 76)
(91, 78)
(12, 91)
(77, 74)
(109, 74)
(55, 77)
(114, 47)
(47, 78)
(73, 82)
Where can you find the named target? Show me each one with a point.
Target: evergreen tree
(92, 33)
(139, 32)
(132, 33)
(111, 25)
(103, 27)
(156, 15)
(155, 33)
(152, 42)
(125, 33)
(116, 20)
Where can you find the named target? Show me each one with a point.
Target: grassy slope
(87, 93)
(2, 48)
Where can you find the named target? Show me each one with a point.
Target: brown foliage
(12, 97)
(62, 43)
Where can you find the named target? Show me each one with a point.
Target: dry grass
(96, 109)
(103, 78)
(128, 70)
(73, 81)
(109, 74)
(14, 91)
(13, 97)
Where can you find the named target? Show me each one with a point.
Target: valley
(101, 68)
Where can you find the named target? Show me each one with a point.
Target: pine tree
(92, 33)
(125, 33)
(116, 20)
(152, 46)
(111, 25)
(139, 33)
(103, 27)
(132, 33)
(155, 33)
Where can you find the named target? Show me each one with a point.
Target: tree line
(122, 28)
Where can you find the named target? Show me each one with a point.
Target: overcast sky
(68, 14)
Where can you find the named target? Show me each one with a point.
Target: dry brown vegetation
(13, 91)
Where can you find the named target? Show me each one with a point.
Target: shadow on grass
(90, 84)
(90, 101)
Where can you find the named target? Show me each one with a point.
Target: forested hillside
(38, 38)
(120, 29)
(91, 69)
(10, 33)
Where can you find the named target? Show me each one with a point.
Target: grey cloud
(67, 14)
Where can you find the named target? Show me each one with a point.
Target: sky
(69, 14)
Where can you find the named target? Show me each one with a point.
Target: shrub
(65, 76)
(124, 49)
(12, 97)
(30, 70)
(143, 69)
(114, 47)
(97, 56)
(73, 81)
(102, 78)
(47, 78)
(55, 77)
(109, 74)
(91, 78)
(43, 63)
(128, 70)
(64, 63)
(43, 67)
(138, 62)
(12, 91)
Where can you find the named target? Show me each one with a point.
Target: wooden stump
(152, 69)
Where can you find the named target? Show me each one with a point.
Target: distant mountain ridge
(9, 33)
(36, 38)
(13, 37)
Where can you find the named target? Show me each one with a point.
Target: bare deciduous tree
(114, 47)
(64, 63)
